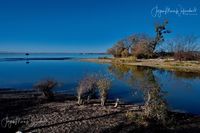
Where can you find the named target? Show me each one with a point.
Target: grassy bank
(168, 64)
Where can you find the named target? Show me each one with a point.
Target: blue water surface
(182, 89)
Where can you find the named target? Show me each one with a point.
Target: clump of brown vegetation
(155, 108)
(87, 88)
(103, 85)
(47, 86)
(142, 48)
(155, 111)
(140, 45)
(119, 50)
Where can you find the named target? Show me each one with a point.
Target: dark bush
(186, 56)
(46, 87)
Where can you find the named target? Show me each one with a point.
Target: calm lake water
(47, 55)
(182, 89)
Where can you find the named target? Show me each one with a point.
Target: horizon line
(7, 52)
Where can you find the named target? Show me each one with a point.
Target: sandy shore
(31, 112)
(36, 114)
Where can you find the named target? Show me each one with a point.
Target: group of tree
(140, 45)
(144, 46)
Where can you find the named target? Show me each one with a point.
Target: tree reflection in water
(140, 78)
(143, 79)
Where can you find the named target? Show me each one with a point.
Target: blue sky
(85, 25)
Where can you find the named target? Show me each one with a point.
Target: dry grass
(103, 85)
(86, 88)
(168, 64)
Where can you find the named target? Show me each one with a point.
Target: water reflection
(187, 75)
(140, 78)
(143, 78)
(130, 83)
(27, 61)
(180, 89)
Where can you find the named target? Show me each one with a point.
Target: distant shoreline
(52, 53)
(167, 64)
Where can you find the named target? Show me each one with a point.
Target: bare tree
(142, 48)
(185, 47)
(117, 49)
